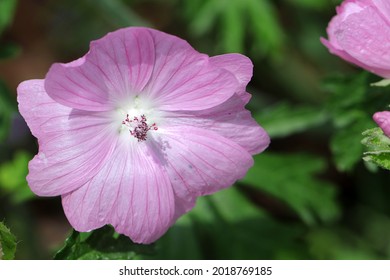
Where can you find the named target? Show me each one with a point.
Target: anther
(138, 127)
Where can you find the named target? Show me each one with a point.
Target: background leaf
(292, 179)
(13, 177)
(238, 20)
(101, 244)
(284, 119)
(7, 109)
(7, 9)
(226, 225)
(7, 243)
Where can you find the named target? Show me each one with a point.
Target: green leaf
(102, 244)
(233, 31)
(236, 20)
(378, 146)
(351, 104)
(311, 4)
(7, 243)
(7, 10)
(292, 179)
(88, 20)
(381, 83)
(264, 24)
(116, 13)
(180, 242)
(13, 177)
(229, 226)
(206, 15)
(346, 146)
(284, 119)
(346, 93)
(338, 244)
(375, 229)
(7, 109)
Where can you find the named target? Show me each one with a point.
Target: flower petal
(131, 192)
(117, 66)
(183, 78)
(358, 34)
(199, 161)
(240, 66)
(73, 144)
(368, 41)
(230, 119)
(382, 7)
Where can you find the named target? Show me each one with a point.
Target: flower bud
(383, 121)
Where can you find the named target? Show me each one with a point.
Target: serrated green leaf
(7, 10)
(291, 178)
(102, 244)
(226, 225)
(351, 104)
(345, 144)
(13, 177)
(284, 119)
(378, 146)
(346, 93)
(232, 227)
(381, 159)
(7, 243)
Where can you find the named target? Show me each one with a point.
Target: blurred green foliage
(235, 20)
(351, 104)
(7, 243)
(7, 109)
(13, 177)
(309, 196)
(284, 119)
(7, 10)
(291, 179)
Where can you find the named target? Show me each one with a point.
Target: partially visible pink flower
(360, 34)
(133, 132)
(383, 121)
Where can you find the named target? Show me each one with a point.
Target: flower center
(138, 127)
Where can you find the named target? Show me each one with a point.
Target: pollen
(138, 127)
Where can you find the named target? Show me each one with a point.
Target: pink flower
(133, 132)
(383, 121)
(360, 34)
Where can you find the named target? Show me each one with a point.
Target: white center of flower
(138, 118)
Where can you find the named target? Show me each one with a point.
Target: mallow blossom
(360, 34)
(134, 131)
